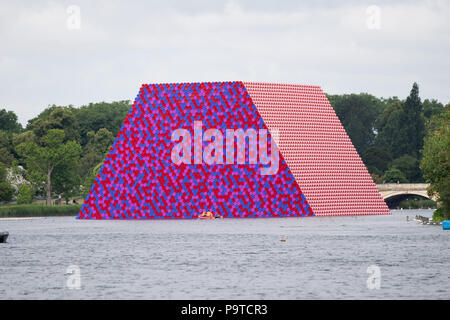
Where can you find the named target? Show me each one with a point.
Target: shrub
(25, 194)
(394, 175)
(409, 166)
(438, 215)
(6, 191)
(39, 210)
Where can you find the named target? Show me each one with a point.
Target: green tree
(6, 190)
(44, 115)
(55, 118)
(95, 116)
(24, 137)
(410, 168)
(435, 163)
(414, 122)
(18, 139)
(6, 156)
(358, 113)
(95, 151)
(401, 126)
(25, 194)
(9, 122)
(394, 175)
(391, 135)
(431, 108)
(43, 161)
(66, 181)
(91, 178)
(377, 159)
(88, 118)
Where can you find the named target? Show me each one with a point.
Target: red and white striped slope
(317, 149)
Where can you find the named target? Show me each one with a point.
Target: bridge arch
(405, 193)
(394, 193)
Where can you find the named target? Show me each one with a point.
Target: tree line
(60, 151)
(388, 133)
(401, 141)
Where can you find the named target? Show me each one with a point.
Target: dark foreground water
(323, 258)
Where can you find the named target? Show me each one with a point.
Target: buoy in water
(446, 225)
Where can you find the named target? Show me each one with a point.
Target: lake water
(322, 258)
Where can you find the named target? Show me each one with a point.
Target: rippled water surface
(323, 258)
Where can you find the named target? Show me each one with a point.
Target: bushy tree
(95, 151)
(91, 117)
(9, 122)
(95, 116)
(357, 113)
(45, 161)
(55, 117)
(394, 175)
(6, 156)
(391, 135)
(91, 178)
(24, 137)
(6, 190)
(18, 139)
(431, 108)
(377, 159)
(3, 172)
(25, 194)
(435, 163)
(414, 122)
(409, 166)
(66, 181)
(401, 126)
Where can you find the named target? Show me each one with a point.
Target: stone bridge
(391, 191)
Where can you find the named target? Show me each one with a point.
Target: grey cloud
(122, 44)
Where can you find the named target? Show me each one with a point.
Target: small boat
(422, 220)
(3, 236)
(205, 218)
(207, 215)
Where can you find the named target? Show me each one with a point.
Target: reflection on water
(322, 258)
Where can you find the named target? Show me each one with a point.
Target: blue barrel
(446, 225)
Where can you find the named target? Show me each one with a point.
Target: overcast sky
(76, 52)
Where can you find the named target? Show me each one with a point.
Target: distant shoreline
(25, 211)
(36, 215)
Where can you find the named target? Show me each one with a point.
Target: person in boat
(210, 215)
(206, 214)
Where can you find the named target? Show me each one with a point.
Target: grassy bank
(39, 210)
